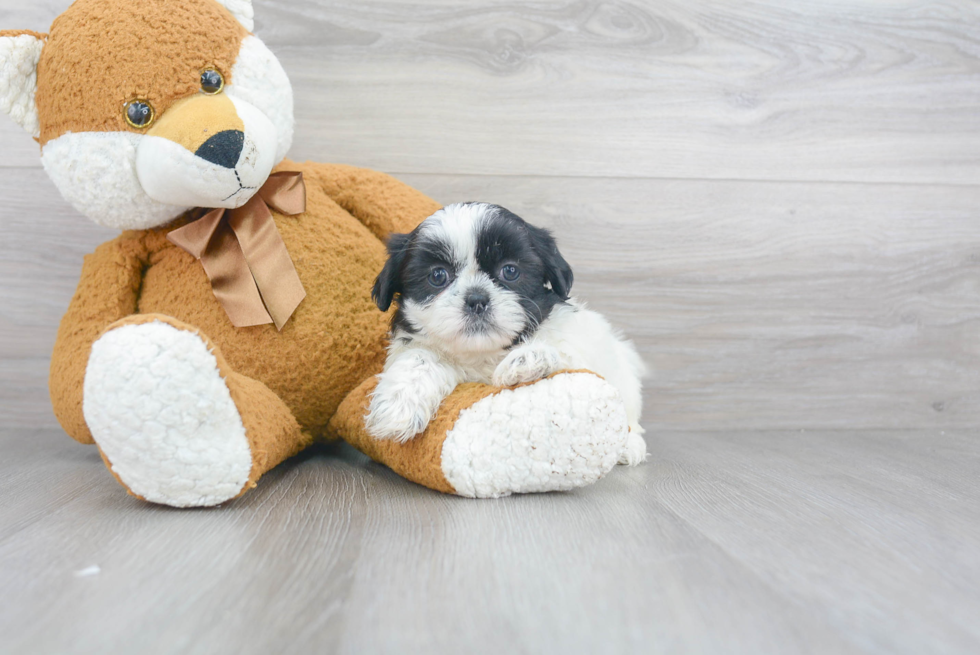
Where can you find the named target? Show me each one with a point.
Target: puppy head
(146, 109)
(474, 277)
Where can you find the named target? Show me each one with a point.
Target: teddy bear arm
(383, 204)
(107, 291)
(559, 433)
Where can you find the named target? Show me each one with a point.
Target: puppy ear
(389, 281)
(556, 269)
(20, 53)
(242, 11)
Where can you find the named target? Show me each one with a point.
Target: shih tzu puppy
(484, 297)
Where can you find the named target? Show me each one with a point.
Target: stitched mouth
(241, 188)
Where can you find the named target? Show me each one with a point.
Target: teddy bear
(230, 324)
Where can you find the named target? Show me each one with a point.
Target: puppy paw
(397, 416)
(408, 395)
(526, 364)
(635, 452)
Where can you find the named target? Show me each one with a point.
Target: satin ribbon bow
(251, 272)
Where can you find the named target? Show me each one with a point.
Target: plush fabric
(336, 256)
(260, 80)
(419, 459)
(88, 72)
(186, 409)
(193, 450)
(569, 431)
(20, 51)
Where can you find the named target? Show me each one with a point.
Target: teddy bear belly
(334, 340)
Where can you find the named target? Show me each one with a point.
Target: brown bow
(251, 272)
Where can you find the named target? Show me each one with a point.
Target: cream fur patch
(96, 173)
(162, 414)
(19, 56)
(259, 79)
(242, 11)
(561, 433)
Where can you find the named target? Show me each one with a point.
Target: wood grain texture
(843, 91)
(833, 90)
(756, 542)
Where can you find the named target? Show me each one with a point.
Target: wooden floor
(726, 542)
(779, 201)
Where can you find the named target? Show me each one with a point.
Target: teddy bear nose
(223, 149)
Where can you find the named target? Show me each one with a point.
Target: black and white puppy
(484, 297)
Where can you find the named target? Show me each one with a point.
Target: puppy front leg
(410, 390)
(527, 363)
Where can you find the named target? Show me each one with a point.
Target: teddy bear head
(146, 109)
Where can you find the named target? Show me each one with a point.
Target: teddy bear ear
(242, 11)
(19, 54)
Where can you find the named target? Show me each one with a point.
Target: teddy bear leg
(559, 433)
(174, 424)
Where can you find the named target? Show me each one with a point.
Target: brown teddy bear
(230, 325)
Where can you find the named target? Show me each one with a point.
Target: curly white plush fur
(557, 434)
(161, 412)
(19, 56)
(242, 11)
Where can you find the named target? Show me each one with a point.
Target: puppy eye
(510, 272)
(439, 277)
(139, 114)
(212, 81)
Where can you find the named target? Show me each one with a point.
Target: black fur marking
(509, 239)
(411, 258)
(388, 282)
(425, 255)
(399, 322)
(557, 270)
(504, 239)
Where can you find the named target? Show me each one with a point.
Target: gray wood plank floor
(735, 542)
(777, 200)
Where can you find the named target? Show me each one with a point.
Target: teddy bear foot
(163, 417)
(563, 432)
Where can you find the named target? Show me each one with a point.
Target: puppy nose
(476, 302)
(223, 149)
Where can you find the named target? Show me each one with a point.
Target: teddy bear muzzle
(207, 151)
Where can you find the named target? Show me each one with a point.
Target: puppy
(484, 297)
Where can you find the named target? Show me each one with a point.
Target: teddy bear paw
(560, 433)
(163, 417)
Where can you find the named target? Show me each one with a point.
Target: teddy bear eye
(212, 81)
(139, 114)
